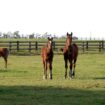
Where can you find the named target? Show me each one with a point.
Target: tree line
(16, 34)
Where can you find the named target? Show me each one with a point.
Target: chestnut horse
(47, 57)
(4, 53)
(70, 52)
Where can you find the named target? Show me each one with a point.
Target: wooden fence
(29, 47)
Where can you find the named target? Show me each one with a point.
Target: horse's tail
(64, 50)
(61, 49)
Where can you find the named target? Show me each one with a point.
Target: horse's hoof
(71, 77)
(50, 76)
(44, 78)
(65, 77)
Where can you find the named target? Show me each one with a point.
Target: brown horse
(70, 52)
(47, 57)
(4, 53)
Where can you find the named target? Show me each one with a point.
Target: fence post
(17, 45)
(36, 45)
(29, 46)
(83, 46)
(10, 45)
(99, 46)
(54, 45)
(102, 44)
(87, 45)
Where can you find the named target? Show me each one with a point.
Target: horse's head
(49, 44)
(69, 39)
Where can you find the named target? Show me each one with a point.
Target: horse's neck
(49, 50)
(67, 49)
(67, 46)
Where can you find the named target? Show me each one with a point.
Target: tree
(31, 36)
(5, 35)
(0, 34)
(9, 34)
(16, 34)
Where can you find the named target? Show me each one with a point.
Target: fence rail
(35, 46)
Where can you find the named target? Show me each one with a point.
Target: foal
(70, 52)
(4, 52)
(47, 57)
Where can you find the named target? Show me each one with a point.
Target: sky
(85, 18)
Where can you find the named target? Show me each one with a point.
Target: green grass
(22, 83)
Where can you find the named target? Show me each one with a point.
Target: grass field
(22, 83)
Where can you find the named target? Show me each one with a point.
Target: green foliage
(22, 83)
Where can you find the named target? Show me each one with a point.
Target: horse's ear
(48, 38)
(52, 38)
(71, 33)
(67, 33)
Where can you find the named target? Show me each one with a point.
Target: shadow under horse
(70, 52)
(47, 58)
(4, 52)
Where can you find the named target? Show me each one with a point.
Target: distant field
(27, 39)
(22, 83)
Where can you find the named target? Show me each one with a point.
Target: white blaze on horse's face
(50, 44)
(69, 40)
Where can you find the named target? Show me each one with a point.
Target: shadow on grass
(102, 78)
(9, 70)
(3, 70)
(36, 95)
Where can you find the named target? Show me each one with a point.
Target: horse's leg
(50, 68)
(66, 66)
(46, 64)
(5, 59)
(44, 69)
(70, 72)
(74, 67)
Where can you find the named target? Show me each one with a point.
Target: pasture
(22, 83)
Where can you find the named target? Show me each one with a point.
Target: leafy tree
(9, 34)
(16, 34)
(31, 36)
(5, 35)
(0, 34)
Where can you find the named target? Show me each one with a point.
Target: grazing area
(22, 83)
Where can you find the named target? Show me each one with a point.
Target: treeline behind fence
(34, 47)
